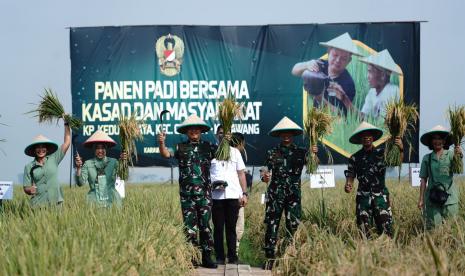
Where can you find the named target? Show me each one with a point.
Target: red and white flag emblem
(170, 55)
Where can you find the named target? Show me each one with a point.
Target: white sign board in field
(323, 178)
(6, 190)
(415, 177)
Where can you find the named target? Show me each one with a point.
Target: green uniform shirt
(370, 169)
(441, 174)
(286, 164)
(103, 193)
(45, 177)
(194, 167)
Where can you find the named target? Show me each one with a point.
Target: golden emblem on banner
(169, 49)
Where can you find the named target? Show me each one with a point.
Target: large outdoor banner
(274, 70)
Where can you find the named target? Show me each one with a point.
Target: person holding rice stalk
(99, 172)
(380, 67)
(440, 198)
(195, 189)
(369, 167)
(285, 162)
(229, 195)
(341, 89)
(41, 174)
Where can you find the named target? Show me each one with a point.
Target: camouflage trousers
(275, 205)
(196, 214)
(373, 207)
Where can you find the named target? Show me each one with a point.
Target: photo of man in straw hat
(283, 170)
(194, 157)
(380, 67)
(369, 167)
(338, 88)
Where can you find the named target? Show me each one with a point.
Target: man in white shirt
(380, 67)
(229, 194)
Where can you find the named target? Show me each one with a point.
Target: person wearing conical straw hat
(380, 67)
(440, 199)
(369, 167)
(99, 172)
(285, 161)
(340, 91)
(195, 189)
(41, 174)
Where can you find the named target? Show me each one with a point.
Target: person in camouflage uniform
(194, 157)
(285, 162)
(369, 167)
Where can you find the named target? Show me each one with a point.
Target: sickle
(162, 113)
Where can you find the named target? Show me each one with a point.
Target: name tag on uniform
(6, 190)
(263, 200)
(415, 177)
(323, 178)
(119, 186)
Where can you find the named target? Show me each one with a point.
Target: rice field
(328, 242)
(145, 237)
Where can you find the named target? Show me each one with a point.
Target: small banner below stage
(274, 70)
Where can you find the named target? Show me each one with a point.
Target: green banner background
(259, 56)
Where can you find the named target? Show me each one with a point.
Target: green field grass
(145, 237)
(332, 245)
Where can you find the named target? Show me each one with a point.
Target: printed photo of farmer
(328, 81)
(380, 67)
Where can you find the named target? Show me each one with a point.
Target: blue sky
(34, 49)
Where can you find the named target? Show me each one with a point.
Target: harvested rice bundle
(456, 116)
(129, 133)
(50, 109)
(400, 120)
(228, 110)
(317, 125)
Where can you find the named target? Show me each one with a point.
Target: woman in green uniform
(440, 198)
(41, 174)
(99, 172)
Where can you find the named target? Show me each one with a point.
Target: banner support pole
(171, 165)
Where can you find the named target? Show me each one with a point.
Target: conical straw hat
(356, 137)
(440, 130)
(40, 139)
(384, 60)
(193, 120)
(285, 125)
(99, 137)
(342, 42)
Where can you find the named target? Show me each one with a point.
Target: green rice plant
(400, 121)
(228, 110)
(456, 116)
(50, 109)
(129, 133)
(317, 125)
(143, 237)
(335, 247)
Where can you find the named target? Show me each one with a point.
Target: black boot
(195, 263)
(268, 264)
(207, 260)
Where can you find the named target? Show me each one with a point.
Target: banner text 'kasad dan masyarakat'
(118, 71)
